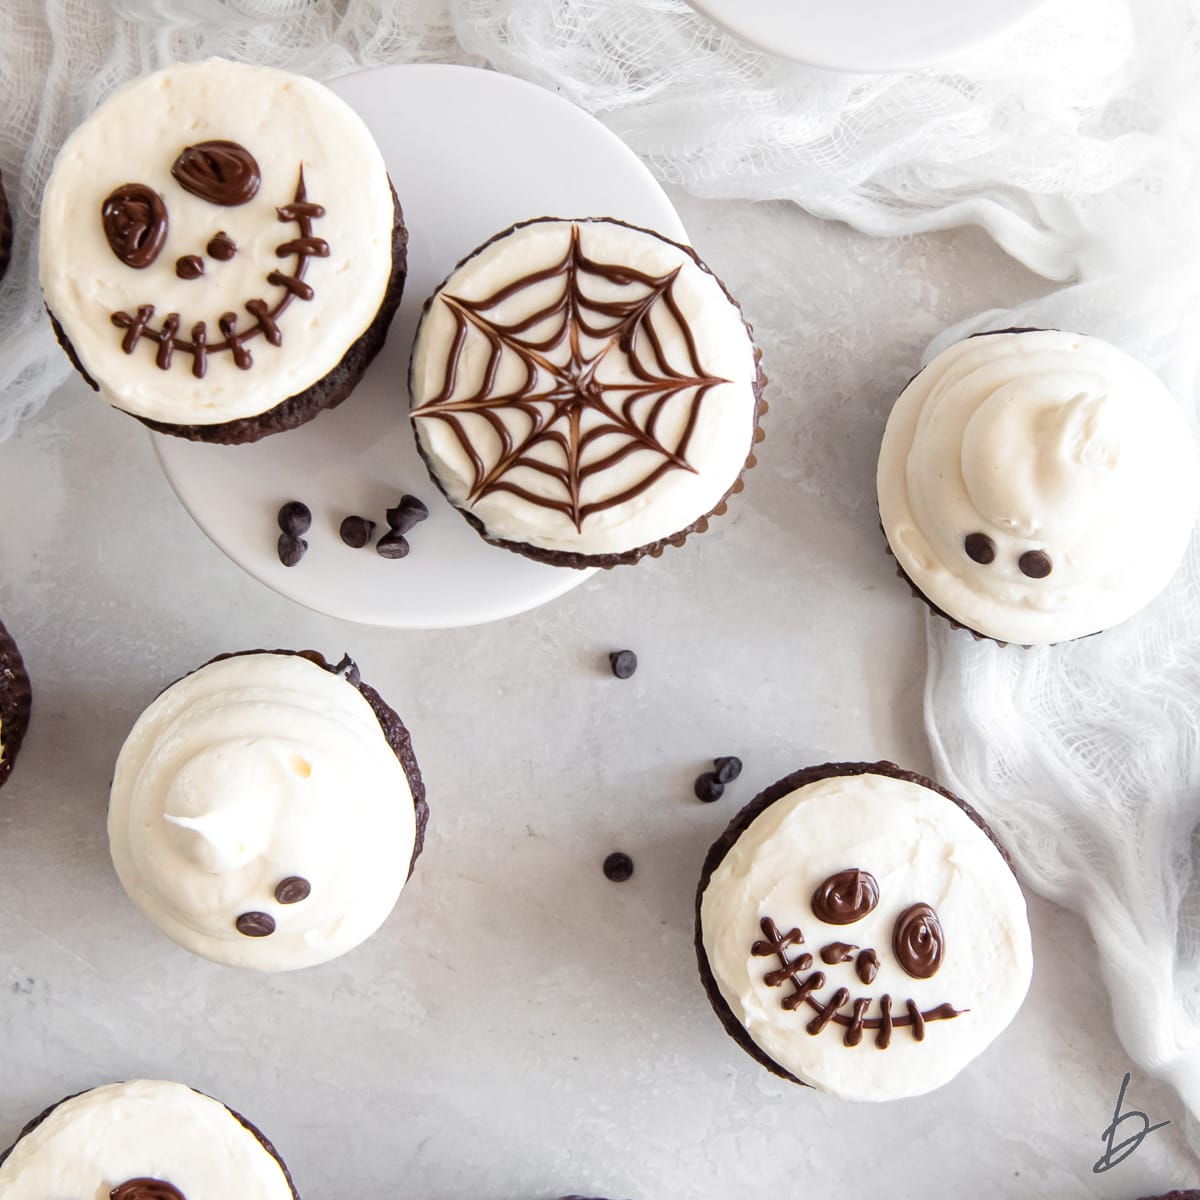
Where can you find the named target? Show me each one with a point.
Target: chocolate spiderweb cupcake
(585, 392)
(16, 699)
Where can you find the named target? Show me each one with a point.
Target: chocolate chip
(708, 787)
(618, 867)
(728, 768)
(392, 545)
(291, 549)
(190, 266)
(255, 924)
(1035, 563)
(356, 531)
(291, 890)
(409, 512)
(623, 663)
(221, 247)
(294, 518)
(980, 548)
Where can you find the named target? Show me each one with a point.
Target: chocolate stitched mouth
(303, 212)
(790, 970)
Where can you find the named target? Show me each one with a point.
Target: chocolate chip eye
(255, 924)
(918, 941)
(1035, 563)
(135, 224)
(845, 897)
(980, 548)
(292, 890)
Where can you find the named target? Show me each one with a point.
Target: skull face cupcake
(266, 810)
(1037, 486)
(858, 929)
(221, 250)
(585, 392)
(16, 699)
(143, 1140)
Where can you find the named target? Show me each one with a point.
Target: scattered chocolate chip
(708, 787)
(291, 549)
(980, 548)
(291, 890)
(728, 768)
(409, 512)
(623, 663)
(392, 545)
(356, 531)
(294, 518)
(347, 669)
(221, 247)
(255, 924)
(1035, 563)
(190, 266)
(618, 867)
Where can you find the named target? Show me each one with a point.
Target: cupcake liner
(569, 558)
(16, 702)
(740, 823)
(327, 392)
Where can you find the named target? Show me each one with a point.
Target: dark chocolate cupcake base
(6, 231)
(16, 701)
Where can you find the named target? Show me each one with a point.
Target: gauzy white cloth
(1085, 757)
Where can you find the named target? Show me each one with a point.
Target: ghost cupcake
(221, 250)
(16, 699)
(145, 1139)
(585, 392)
(859, 929)
(266, 810)
(1037, 486)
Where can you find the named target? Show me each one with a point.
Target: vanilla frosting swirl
(245, 780)
(1037, 486)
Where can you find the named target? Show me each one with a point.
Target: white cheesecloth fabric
(1072, 142)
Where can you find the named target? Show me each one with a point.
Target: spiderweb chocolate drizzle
(562, 420)
(790, 970)
(303, 212)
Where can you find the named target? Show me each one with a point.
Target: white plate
(470, 152)
(868, 35)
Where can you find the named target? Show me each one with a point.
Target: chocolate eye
(146, 1188)
(255, 924)
(980, 548)
(1035, 563)
(292, 890)
(135, 224)
(918, 941)
(845, 897)
(220, 172)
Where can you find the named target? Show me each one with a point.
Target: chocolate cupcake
(1037, 486)
(146, 1139)
(267, 809)
(16, 699)
(6, 230)
(221, 250)
(860, 930)
(585, 392)
(1190, 1194)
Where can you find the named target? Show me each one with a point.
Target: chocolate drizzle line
(146, 1189)
(553, 397)
(778, 944)
(266, 319)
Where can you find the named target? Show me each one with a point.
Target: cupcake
(1037, 486)
(6, 231)
(585, 392)
(1190, 1194)
(15, 702)
(143, 1140)
(266, 810)
(222, 250)
(860, 930)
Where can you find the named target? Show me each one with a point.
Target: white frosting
(248, 772)
(921, 848)
(144, 1129)
(720, 440)
(1043, 441)
(134, 137)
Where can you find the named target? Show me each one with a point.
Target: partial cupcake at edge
(267, 810)
(222, 250)
(585, 392)
(859, 929)
(145, 1139)
(16, 702)
(1037, 486)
